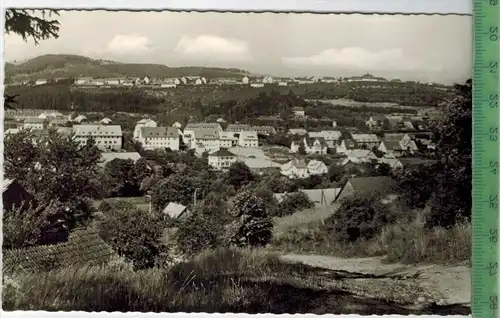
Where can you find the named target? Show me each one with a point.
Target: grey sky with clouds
(426, 48)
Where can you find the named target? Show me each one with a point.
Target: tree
(198, 232)
(383, 169)
(133, 235)
(452, 200)
(28, 24)
(120, 178)
(359, 217)
(254, 227)
(294, 202)
(335, 173)
(239, 175)
(302, 149)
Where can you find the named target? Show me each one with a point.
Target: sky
(410, 47)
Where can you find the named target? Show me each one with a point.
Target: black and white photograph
(222, 162)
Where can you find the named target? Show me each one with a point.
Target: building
(152, 138)
(79, 119)
(105, 121)
(383, 187)
(245, 80)
(375, 122)
(238, 127)
(311, 145)
(257, 85)
(227, 139)
(295, 169)
(221, 159)
(321, 197)
(317, 167)
(331, 137)
(177, 125)
(35, 123)
(14, 195)
(398, 144)
(368, 141)
(357, 156)
(208, 126)
(110, 156)
(106, 137)
(248, 139)
(208, 140)
(297, 131)
(175, 210)
(299, 112)
(146, 122)
(264, 130)
(267, 80)
(41, 81)
(83, 81)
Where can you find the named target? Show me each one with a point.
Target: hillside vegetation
(68, 66)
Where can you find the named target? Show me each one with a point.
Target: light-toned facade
(248, 139)
(205, 139)
(295, 169)
(35, 123)
(106, 137)
(143, 123)
(152, 138)
(227, 139)
(316, 167)
(221, 159)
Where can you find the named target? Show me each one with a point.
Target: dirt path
(444, 285)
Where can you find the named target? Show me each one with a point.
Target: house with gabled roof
(331, 137)
(159, 138)
(367, 141)
(357, 156)
(317, 167)
(297, 131)
(238, 127)
(315, 145)
(175, 210)
(398, 144)
(14, 195)
(206, 139)
(106, 137)
(295, 169)
(110, 156)
(299, 112)
(346, 145)
(376, 121)
(248, 139)
(381, 186)
(145, 122)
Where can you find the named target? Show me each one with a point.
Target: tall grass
(406, 241)
(218, 281)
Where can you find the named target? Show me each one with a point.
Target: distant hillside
(70, 66)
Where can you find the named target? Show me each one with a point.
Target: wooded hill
(71, 66)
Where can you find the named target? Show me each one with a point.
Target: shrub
(254, 227)
(198, 232)
(104, 206)
(359, 217)
(133, 235)
(294, 202)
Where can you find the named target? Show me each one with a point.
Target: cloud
(213, 47)
(358, 58)
(129, 44)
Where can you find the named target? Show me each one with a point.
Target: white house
(331, 137)
(146, 122)
(198, 81)
(299, 112)
(79, 118)
(83, 81)
(268, 80)
(206, 139)
(366, 140)
(112, 81)
(311, 146)
(105, 121)
(210, 126)
(221, 159)
(282, 84)
(359, 156)
(295, 169)
(238, 127)
(159, 138)
(257, 85)
(375, 122)
(227, 139)
(168, 85)
(245, 80)
(146, 80)
(107, 137)
(316, 167)
(41, 81)
(398, 148)
(35, 123)
(346, 145)
(248, 139)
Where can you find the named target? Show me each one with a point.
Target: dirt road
(442, 285)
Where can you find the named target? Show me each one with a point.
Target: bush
(294, 202)
(133, 234)
(359, 217)
(104, 206)
(198, 232)
(254, 227)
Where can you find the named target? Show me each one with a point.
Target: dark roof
(392, 145)
(374, 185)
(222, 153)
(84, 246)
(416, 161)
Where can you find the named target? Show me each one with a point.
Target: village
(409, 146)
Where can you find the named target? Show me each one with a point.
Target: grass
(246, 281)
(141, 203)
(405, 241)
